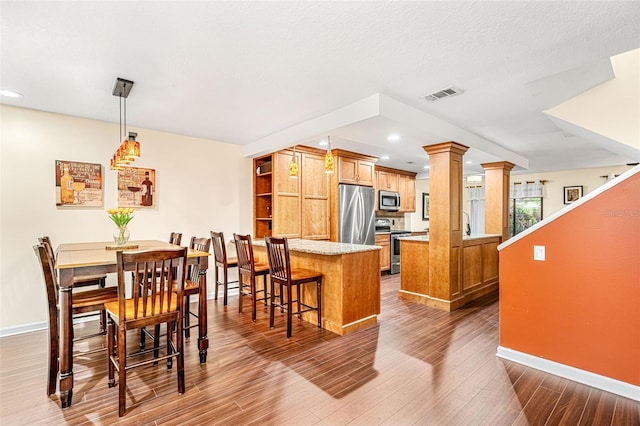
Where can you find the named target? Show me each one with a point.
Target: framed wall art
(572, 193)
(425, 206)
(78, 184)
(136, 187)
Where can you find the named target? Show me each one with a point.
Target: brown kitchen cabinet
(384, 241)
(291, 207)
(407, 185)
(404, 182)
(354, 169)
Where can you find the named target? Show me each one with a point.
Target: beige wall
(202, 185)
(553, 190)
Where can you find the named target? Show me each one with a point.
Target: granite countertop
(464, 237)
(327, 248)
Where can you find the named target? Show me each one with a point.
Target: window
(524, 213)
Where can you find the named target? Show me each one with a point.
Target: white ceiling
(271, 74)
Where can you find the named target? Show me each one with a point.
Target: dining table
(97, 258)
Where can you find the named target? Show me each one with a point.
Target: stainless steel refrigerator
(357, 214)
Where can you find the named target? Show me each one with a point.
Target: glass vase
(121, 235)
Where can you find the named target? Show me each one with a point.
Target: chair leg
(143, 339)
(215, 269)
(156, 340)
(272, 305)
(169, 343)
(288, 311)
(319, 299)
(122, 373)
(264, 286)
(103, 321)
(180, 361)
(187, 317)
(54, 355)
(226, 285)
(111, 351)
(298, 301)
(240, 291)
(254, 295)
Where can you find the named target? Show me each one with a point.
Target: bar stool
(192, 284)
(222, 262)
(249, 268)
(287, 277)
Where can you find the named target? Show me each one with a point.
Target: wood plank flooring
(418, 366)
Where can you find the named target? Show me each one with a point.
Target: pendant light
(328, 158)
(129, 149)
(293, 166)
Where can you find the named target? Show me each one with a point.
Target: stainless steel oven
(395, 250)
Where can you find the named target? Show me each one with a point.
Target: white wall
(201, 186)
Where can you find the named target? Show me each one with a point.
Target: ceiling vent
(444, 93)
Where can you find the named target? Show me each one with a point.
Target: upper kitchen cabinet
(407, 185)
(401, 181)
(386, 181)
(354, 169)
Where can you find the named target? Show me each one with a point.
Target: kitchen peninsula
(350, 281)
(479, 270)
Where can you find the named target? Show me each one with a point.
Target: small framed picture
(425, 206)
(572, 193)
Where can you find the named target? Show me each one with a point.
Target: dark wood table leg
(66, 338)
(203, 340)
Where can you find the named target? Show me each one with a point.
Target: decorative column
(496, 176)
(445, 223)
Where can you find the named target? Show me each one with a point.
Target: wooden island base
(350, 282)
(478, 273)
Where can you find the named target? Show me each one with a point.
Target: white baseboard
(43, 325)
(608, 384)
(25, 328)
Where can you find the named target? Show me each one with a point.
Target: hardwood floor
(417, 366)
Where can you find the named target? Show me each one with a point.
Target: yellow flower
(120, 216)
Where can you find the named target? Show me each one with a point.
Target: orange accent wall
(580, 307)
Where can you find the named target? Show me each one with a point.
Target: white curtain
(476, 201)
(526, 189)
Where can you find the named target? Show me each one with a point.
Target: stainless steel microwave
(389, 201)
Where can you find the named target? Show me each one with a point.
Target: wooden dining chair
(287, 278)
(222, 263)
(248, 269)
(93, 280)
(175, 238)
(82, 302)
(192, 285)
(161, 273)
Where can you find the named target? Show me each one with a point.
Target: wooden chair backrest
(244, 252)
(175, 238)
(51, 287)
(279, 264)
(219, 249)
(46, 241)
(200, 244)
(160, 276)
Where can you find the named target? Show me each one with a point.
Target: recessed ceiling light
(384, 157)
(425, 167)
(468, 162)
(393, 138)
(323, 142)
(10, 93)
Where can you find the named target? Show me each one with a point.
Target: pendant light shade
(329, 165)
(129, 149)
(293, 166)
